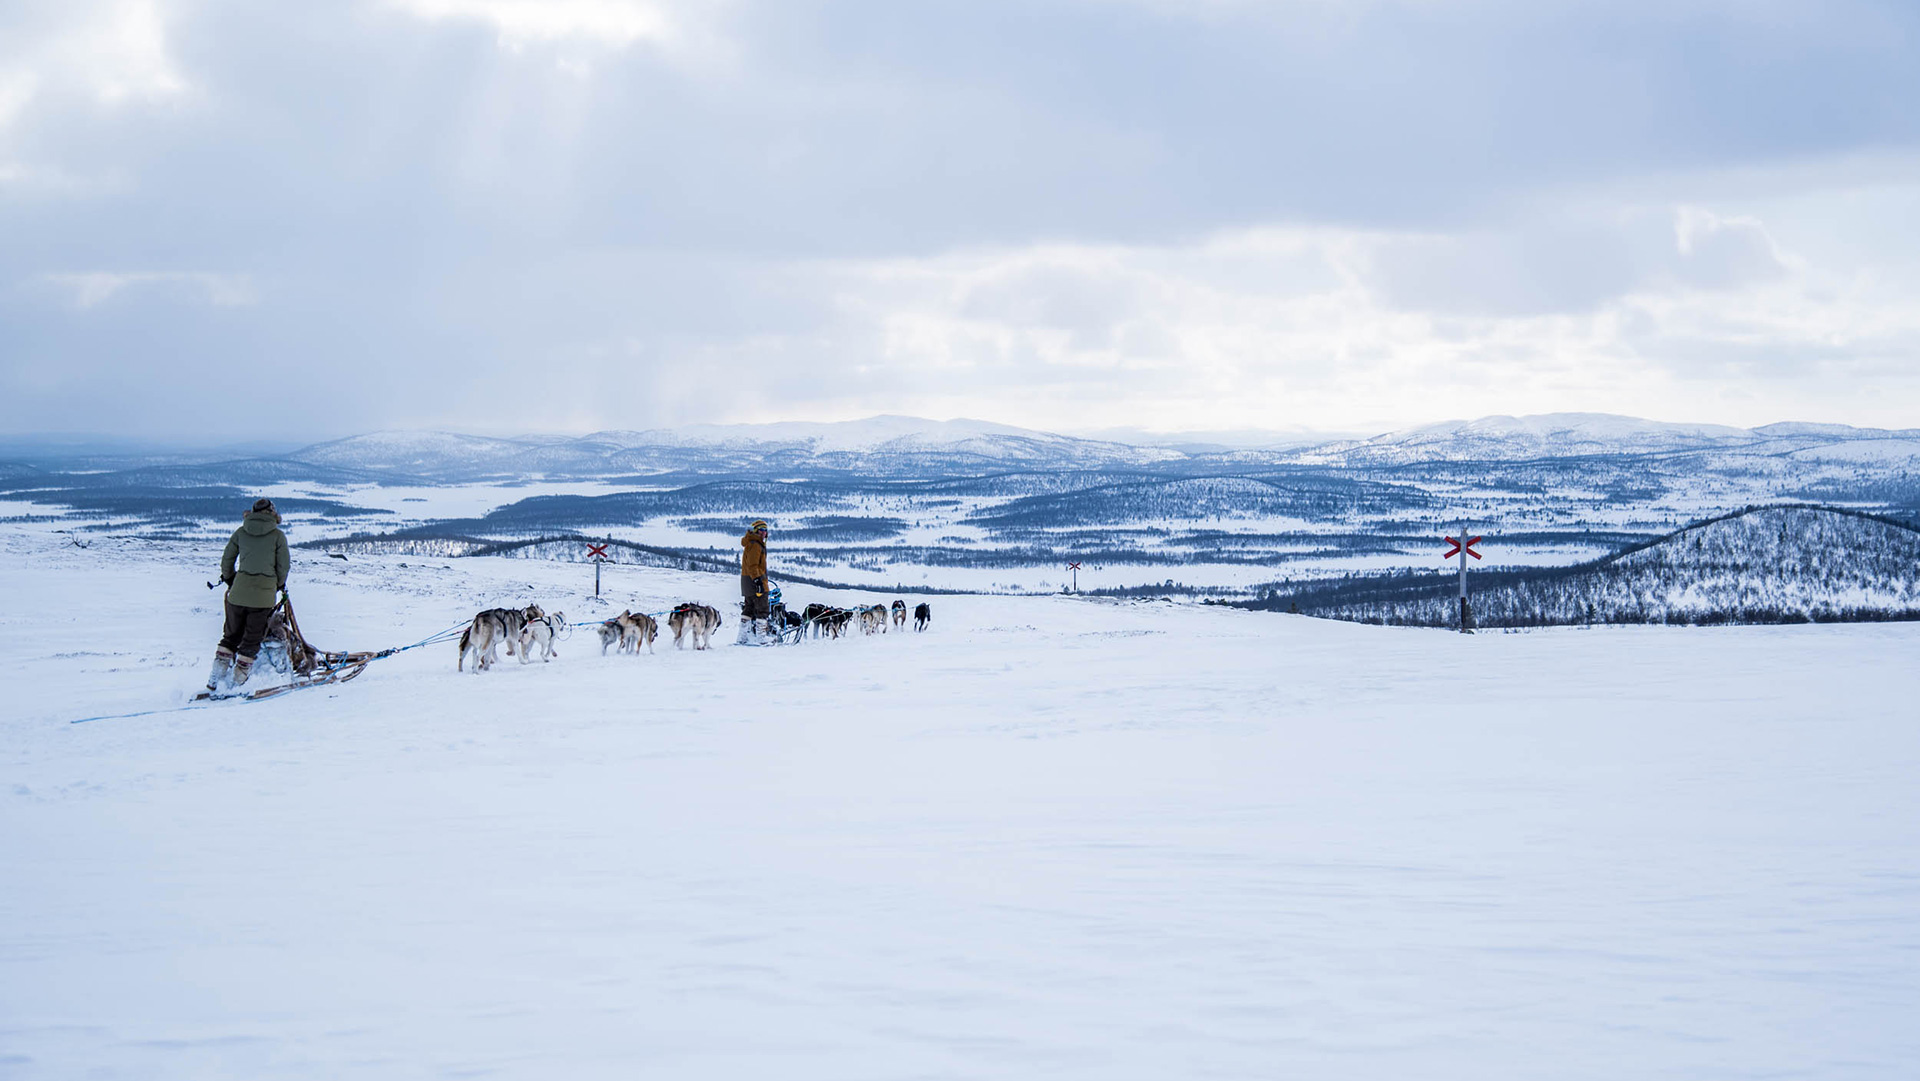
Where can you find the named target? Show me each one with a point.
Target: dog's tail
(465, 637)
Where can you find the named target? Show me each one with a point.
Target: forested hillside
(1767, 565)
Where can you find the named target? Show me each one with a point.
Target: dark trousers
(753, 597)
(244, 629)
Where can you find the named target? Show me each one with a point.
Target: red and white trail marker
(597, 553)
(1463, 549)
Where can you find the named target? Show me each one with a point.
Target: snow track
(1046, 839)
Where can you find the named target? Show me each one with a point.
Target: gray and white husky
(630, 630)
(490, 630)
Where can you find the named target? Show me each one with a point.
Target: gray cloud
(1539, 265)
(760, 207)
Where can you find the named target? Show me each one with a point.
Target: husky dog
(831, 622)
(900, 614)
(542, 631)
(922, 615)
(630, 631)
(697, 619)
(490, 630)
(873, 619)
(814, 615)
(609, 632)
(639, 629)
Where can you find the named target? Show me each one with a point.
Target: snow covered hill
(1771, 565)
(1049, 838)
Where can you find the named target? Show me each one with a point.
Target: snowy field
(1049, 838)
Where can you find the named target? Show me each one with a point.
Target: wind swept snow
(1047, 839)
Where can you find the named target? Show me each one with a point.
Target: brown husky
(698, 619)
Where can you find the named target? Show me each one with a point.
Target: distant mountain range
(1569, 435)
(884, 445)
(895, 446)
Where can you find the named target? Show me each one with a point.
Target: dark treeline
(1316, 499)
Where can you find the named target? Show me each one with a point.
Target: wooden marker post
(598, 554)
(1463, 548)
(1075, 568)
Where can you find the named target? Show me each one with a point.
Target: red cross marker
(1455, 550)
(1073, 566)
(599, 551)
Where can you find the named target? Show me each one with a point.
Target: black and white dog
(922, 615)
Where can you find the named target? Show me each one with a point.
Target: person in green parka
(254, 567)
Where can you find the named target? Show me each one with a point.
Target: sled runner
(319, 677)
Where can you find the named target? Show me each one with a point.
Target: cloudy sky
(245, 219)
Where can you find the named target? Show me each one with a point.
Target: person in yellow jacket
(753, 587)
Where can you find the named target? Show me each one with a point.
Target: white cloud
(1287, 326)
(123, 51)
(90, 289)
(110, 53)
(1719, 251)
(113, 50)
(16, 90)
(617, 23)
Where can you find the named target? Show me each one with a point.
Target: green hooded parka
(254, 566)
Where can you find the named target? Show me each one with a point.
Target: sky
(244, 220)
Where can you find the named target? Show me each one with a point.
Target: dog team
(523, 630)
(255, 564)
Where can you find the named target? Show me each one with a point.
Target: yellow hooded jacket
(753, 560)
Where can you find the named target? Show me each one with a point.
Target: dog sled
(286, 650)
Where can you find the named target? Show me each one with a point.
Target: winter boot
(761, 635)
(222, 668)
(242, 667)
(746, 633)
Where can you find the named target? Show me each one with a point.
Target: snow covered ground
(1049, 838)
